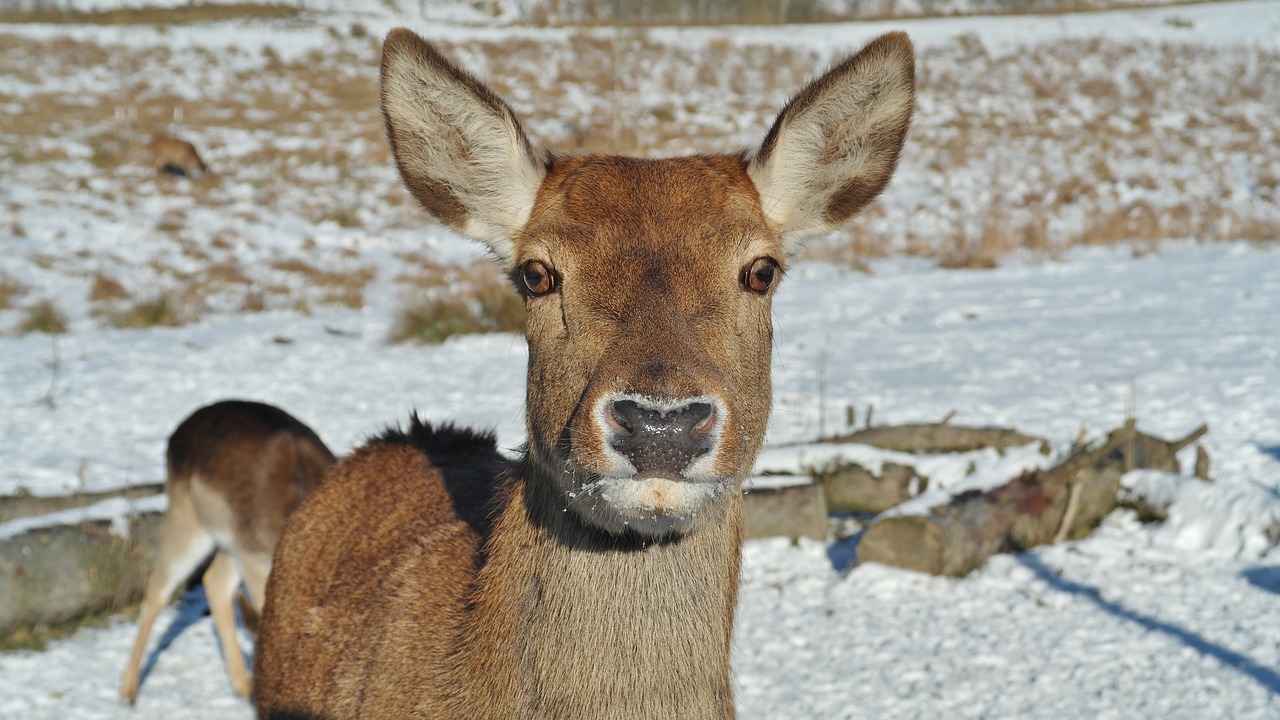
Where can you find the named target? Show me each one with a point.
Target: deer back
(247, 466)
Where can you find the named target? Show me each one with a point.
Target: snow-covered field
(1175, 620)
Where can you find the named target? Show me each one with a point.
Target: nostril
(702, 427)
(623, 416)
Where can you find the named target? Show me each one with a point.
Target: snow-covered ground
(1175, 620)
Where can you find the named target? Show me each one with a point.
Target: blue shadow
(191, 609)
(843, 554)
(1264, 676)
(1264, 578)
(1272, 450)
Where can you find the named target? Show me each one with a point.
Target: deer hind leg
(221, 581)
(184, 544)
(256, 568)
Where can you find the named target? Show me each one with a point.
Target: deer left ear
(459, 147)
(834, 147)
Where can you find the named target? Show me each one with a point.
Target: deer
(234, 471)
(175, 156)
(594, 574)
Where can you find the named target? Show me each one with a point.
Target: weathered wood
(25, 505)
(1149, 451)
(956, 538)
(939, 437)
(796, 511)
(55, 574)
(1202, 464)
(850, 487)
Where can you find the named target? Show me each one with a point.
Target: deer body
(170, 154)
(235, 470)
(596, 575)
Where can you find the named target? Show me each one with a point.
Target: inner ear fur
(458, 146)
(834, 147)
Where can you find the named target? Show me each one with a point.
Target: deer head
(648, 283)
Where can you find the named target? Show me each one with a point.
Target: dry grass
(10, 289)
(1033, 152)
(42, 317)
(766, 12)
(192, 12)
(106, 289)
(337, 287)
(449, 301)
(160, 310)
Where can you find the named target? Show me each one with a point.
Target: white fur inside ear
(455, 138)
(836, 145)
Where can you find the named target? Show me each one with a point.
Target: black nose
(660, 440)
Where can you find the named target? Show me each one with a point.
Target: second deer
(235, 470)
(596, 575)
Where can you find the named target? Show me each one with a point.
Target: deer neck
(578, 623)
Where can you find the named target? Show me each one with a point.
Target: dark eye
(538, 279)
(758, 276)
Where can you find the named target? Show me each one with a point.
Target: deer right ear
(836, 144)
(458, 146)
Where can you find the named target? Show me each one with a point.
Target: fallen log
(59, 573)
(938, 437)
(794, 511)
(25, 504)
(1038, 507)
(850, 487)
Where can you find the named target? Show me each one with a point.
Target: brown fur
(169, 154)
(432, 578)
(236, 469)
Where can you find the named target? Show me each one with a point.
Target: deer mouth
(650, 505)
(647, 465)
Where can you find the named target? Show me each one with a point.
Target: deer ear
(458, 146)
(835, 145)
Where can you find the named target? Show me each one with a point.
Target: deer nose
(660, 440)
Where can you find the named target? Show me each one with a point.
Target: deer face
(648, 283)
(649, 339)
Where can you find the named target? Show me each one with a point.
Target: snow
(1171, 620)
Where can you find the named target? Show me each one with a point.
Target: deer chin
(651, 506)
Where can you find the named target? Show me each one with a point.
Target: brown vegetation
(188, 13)
(457, 301)
(43, 317)
(1096, 143)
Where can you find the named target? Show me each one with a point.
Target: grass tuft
(9, 289)
(106, 289)
(157, 311)
(43, 317)
(479, 308)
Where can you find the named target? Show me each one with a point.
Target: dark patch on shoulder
(468, 461)
(439, 440)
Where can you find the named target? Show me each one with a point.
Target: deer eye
(537, 278)
(758, 276)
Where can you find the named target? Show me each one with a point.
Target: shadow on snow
(193, 608)
(1264, 676)
(1264, 578)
